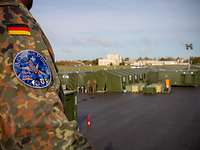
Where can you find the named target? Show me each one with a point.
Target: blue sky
(88, 29)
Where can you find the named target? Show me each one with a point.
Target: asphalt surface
(138, 122)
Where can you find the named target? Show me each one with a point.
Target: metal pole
(189, 64)
(189, 47)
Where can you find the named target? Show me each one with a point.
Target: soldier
(31, 112)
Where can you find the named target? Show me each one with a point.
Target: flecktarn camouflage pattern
(31, 112)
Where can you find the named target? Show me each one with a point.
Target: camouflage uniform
(30, 118)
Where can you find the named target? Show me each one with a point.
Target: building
(140, 63)
(111, 59)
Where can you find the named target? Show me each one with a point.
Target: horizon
(133, 28)
(130, 58)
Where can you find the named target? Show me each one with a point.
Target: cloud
(92, 41)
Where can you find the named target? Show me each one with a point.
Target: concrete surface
(138, 122)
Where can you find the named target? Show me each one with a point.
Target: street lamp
(189, 47)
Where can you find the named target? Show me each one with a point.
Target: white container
(135, 88)
(158, 87)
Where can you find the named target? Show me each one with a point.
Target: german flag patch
(18, 29)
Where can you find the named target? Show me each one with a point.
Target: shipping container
(149, 90)
(135, 88)
(158, 87)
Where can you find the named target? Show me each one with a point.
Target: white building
(114, 59)
(154, 63)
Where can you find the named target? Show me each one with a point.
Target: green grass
(89, 68)
(63, 68)
(170, 67)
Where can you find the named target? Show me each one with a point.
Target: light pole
(189, 47)
(77, 72)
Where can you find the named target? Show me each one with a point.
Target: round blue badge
(31, 68)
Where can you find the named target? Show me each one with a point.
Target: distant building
(111, 59)
(141, 63)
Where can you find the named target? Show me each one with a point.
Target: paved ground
(138, 122)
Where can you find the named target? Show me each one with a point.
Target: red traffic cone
(88, 121)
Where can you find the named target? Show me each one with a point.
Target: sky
(89, 29)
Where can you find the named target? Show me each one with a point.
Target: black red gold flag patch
(18, 29)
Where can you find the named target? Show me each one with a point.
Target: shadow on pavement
(109, 146)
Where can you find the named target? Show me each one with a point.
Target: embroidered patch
(31, 68)
(18, 29)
